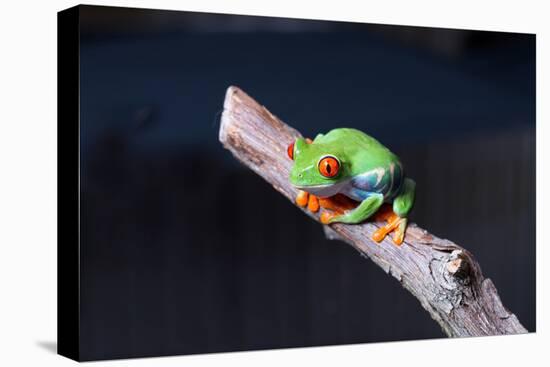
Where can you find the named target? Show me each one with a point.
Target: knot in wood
(458, 266)
(450, 272)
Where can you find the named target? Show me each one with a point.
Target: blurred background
(177, 256)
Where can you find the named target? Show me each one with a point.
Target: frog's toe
(302, 198)
(395, 224)
(399, 232)
(313, 204)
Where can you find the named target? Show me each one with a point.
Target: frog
(354, 177)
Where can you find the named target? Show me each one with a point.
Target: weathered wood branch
(443, 276)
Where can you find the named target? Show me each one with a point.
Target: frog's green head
(318, 169)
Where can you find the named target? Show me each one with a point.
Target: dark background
(177, 254)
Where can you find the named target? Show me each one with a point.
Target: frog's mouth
(323, 190)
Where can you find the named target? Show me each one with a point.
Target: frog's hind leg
(364, 210)
(397, 222)
(337, 205)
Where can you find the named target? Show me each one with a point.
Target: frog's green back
(363, 150)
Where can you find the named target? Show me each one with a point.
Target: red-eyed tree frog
(352, 174)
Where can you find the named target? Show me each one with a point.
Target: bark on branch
(443, 276)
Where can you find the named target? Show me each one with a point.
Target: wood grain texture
(444, 277)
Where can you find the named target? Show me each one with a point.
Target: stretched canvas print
(231, 183)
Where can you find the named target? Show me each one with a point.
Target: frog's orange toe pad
(378, 236)
(398, 237)
(302, 198)
(313, 204)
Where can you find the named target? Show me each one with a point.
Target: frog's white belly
(327, 190)
(345, 188)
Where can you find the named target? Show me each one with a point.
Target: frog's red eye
(329, 166)
(290, 151)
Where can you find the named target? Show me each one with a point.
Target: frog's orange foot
(395, 224)
(304, 199)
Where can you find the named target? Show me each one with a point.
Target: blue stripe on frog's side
(398, 177)
(386, 181)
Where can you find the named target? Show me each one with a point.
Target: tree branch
(443, 276)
